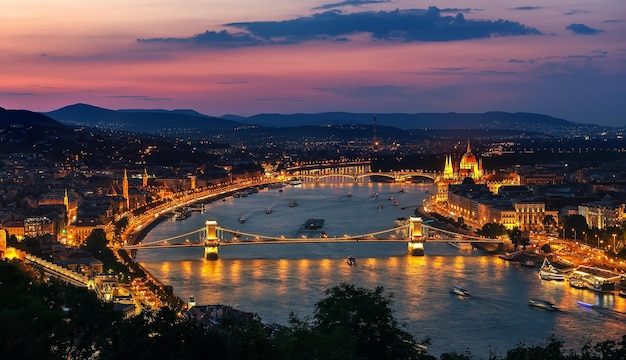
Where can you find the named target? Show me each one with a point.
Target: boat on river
(196, 207)
(549, 272)
(457, 290)
(242, 219)
(292, 204)
(268, 211)
(182, 214)
(543, 304)
(577, 283)
(295, 182)
(351, 261)
(314, 223)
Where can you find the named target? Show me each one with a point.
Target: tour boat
(543, 304)
(549, 272)
(295, 182)
(457, 290)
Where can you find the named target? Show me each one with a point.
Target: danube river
(274, 280)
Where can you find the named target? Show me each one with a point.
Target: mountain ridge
(155, 120)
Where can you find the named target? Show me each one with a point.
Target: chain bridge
(415, 233)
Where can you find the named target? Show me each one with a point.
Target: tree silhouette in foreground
(350, 323)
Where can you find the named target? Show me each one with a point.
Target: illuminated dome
(468, 161)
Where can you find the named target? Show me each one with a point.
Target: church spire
(448, 171)
(469, 150)
(66, 202)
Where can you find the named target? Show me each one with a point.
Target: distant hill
(25, 118)
(139, 120)
(188, 121)
(489, 120)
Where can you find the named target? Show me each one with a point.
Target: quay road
(140, 224)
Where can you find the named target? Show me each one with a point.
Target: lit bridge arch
(415, 233)
(355, 171)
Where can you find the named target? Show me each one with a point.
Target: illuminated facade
(602, 214)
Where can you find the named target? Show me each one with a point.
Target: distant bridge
(415, 233)
(356, 171)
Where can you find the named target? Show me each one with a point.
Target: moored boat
(549, 272)
(622, 293)
(295, 182)
(182, 214)
(543, 304)
(196, 207)
(577, 283)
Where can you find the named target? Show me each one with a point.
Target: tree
(549, 223)
(577, 223)
(353, 323)
(492, 230)
(516, 236)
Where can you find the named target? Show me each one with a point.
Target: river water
(274, 280)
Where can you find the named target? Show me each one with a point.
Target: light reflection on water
(273, 280)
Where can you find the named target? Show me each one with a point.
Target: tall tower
(144, 178)
(125, 189)
(375, 138)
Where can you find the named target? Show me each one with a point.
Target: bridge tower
(211, 242)
(416, 239)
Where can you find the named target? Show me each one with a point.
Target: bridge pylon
(211, 241)
(416, 239)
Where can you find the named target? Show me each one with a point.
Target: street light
(574, 230)
(598, 240)
(614, 243)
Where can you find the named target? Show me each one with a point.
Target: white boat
(549, 272)
(242, 219)
(543, 304)
(295, 182)
(268, 211)
(577, 283)
(457, 290)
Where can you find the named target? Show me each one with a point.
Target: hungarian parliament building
(481, 197)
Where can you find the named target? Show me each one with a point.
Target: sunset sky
(561, 58)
